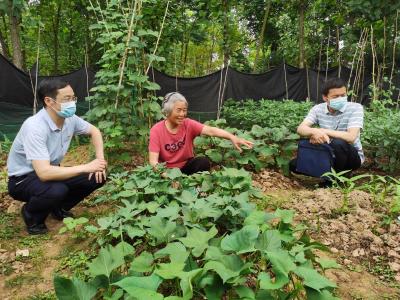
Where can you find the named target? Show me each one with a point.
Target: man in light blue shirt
(339, 124)
(35, 174)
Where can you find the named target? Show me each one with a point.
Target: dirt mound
(358, 234)
(272, 181)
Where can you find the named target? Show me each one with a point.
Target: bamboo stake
(101, 13)
(122, 65)
(373, 64)
(327, 53)
(159, 35)
(363, 32)
(286, 85)
(36, 74)
(221, 100)
(394, 50)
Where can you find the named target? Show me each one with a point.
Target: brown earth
(357, 239)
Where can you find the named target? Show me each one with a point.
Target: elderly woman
(171, 140)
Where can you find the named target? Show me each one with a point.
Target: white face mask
(337, 103)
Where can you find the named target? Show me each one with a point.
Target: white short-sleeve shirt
(40, 139)
(351, 115)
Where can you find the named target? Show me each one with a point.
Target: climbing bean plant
(123, 102)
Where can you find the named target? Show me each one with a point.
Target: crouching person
(35, 174)
(171, 140)
(339, 124)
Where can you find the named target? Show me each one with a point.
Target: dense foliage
(203, 239)
(265, 113)
(273, 147)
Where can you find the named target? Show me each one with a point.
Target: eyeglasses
(65, 100)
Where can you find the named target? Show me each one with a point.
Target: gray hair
(169, 101)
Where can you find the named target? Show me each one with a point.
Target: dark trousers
(43, 197)
(346, 157)
(196, 164)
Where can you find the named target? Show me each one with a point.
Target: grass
(43, 296)
(8, 228)
(22, 279)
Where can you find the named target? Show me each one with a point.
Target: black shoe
(32, 226)
(60, 213)
(325, 184)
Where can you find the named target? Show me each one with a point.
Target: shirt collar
(49, 121)
(326, 110)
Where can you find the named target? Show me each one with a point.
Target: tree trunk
(339, 60)
(56, 43)
(15, 24)
(3, 45)
(301, 35)
(225, 46)
(262, 34)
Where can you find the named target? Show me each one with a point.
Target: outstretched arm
(236, 141)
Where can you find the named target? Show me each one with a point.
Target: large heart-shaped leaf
(142, 263)
(269, 240)
(266, 282)
(313, 279)
(197, 239)
(75, 289)
(241, 241)
(176, 251)
(281, 261)
(109, 258)
(161, 229)
(171, 270)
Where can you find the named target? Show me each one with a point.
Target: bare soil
(357, 239)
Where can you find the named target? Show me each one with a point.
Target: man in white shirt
(35, 174)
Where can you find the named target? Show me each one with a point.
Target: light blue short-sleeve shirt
(350, 116)
(40, 139)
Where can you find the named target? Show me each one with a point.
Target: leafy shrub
(272, 147)
(204, 240)
(265, 113)
(381, 136)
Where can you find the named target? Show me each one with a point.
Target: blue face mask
(338, 103)
(68, 109)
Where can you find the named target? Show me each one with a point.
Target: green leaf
(174, 173)
(109, 258)
(151, 282)
(141, 287)
(241, 241)
(169, 271)
(214, 155)
(161, 229)
(229, 267)
(186, 282)
(281, 261)
(267, 284)
(313, 279)
(176, 251)
(75, 289)
(143, 263)
(125, 248)
(269, 241)
(286, 216)
(326, 263)
(245, 293)
(187, 197)
(316, 295)
(256, 217)
(127, 194)
(197, 239)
